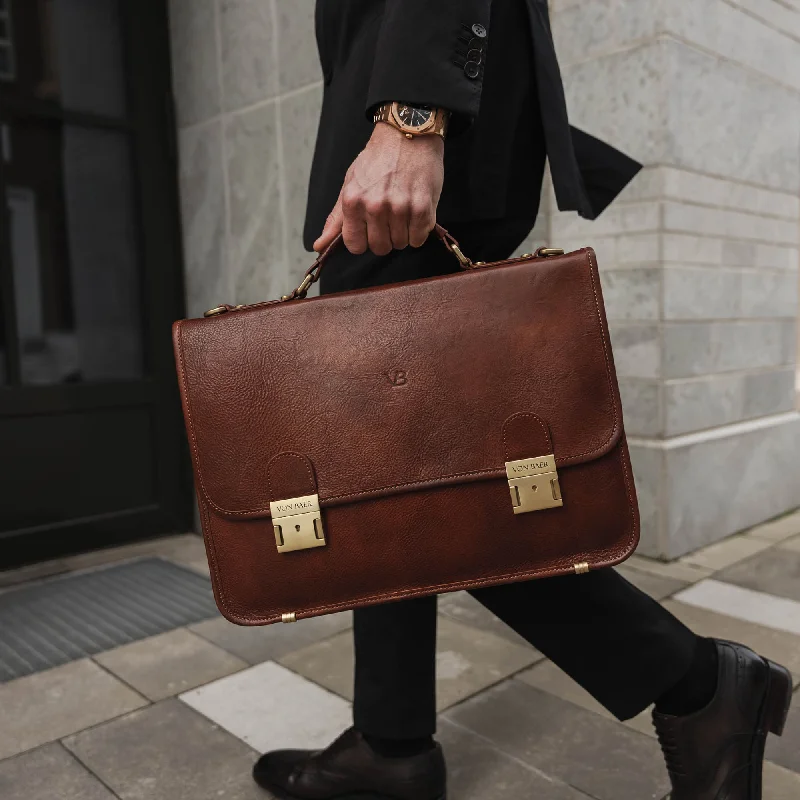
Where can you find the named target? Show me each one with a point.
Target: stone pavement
(181, 716)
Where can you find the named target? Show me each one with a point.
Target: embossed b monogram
(398, 377)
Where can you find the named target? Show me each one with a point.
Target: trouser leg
(618, 643)
(395, 675)
(395, 643)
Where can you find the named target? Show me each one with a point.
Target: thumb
(333, 227)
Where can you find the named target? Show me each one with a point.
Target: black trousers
(614, 640)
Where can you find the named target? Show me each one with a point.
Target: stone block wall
(699, 256)
(248, 90)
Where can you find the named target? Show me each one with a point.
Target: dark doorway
(91, 447)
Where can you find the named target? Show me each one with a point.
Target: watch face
(414, 116)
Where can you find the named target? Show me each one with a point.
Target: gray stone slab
(173, 662)
(329, 663)
(726, 553)
(778, 530)
(257, 266)
(49, 772)
(674, 570)
(299, 122)
(44, 707)
(780, 783)
(167, 752)
(248, 41)
(785, 750)
(777, 645)
(195, 58)
(270, 707)
(271, 642)
(478, 771)
(549, 678)
(464, 608)
(295, 41)
(468, 660)
(202, 187)
(601, 758)
(775, 571)
(791, 544)
(658, 587)
(761, 608)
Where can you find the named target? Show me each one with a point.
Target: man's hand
(390, 194)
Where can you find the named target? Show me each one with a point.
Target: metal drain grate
(59, 620)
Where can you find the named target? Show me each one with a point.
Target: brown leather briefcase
(405, 440)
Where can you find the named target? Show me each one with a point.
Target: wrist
(384, 136)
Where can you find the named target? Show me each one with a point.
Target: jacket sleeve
(431, 52)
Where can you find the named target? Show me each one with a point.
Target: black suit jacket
(508, 113)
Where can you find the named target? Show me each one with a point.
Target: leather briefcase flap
(401, 393)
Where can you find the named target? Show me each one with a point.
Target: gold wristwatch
(413, 120)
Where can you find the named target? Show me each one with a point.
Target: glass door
(90, 436)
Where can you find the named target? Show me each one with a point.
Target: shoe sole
(772, 719)
(282, 794)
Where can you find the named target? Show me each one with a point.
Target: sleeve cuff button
(472, 69)
(479, 30)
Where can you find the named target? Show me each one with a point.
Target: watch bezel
(404, 126)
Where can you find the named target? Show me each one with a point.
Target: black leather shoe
(718, 753)
(350, 768)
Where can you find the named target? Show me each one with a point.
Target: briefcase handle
(313, 272)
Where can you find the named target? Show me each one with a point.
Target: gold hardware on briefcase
(533, 483)
(298, 523)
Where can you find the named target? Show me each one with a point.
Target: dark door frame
(150, 124)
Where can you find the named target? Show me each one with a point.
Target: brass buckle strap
(533, 483)
(311, 277)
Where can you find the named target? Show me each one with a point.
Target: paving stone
(44, 707)
(549, 678)
(785, 749)
(468, 660)
(601, 758)
(672, 569)
(167, 752)
(774, 571)
(777, 645)
(269, 707)
(657, 586)
(49, 772)
(726, 553)
(329, 663)
(464, 608)
(270, 642)
(747, 604)
(791, 544)
(478, 771)
(778, 530)
(169, 663)
(780, 783)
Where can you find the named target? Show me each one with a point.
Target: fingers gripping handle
(313, 272)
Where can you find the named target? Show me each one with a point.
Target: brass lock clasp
(298, 523)
(533, 483)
